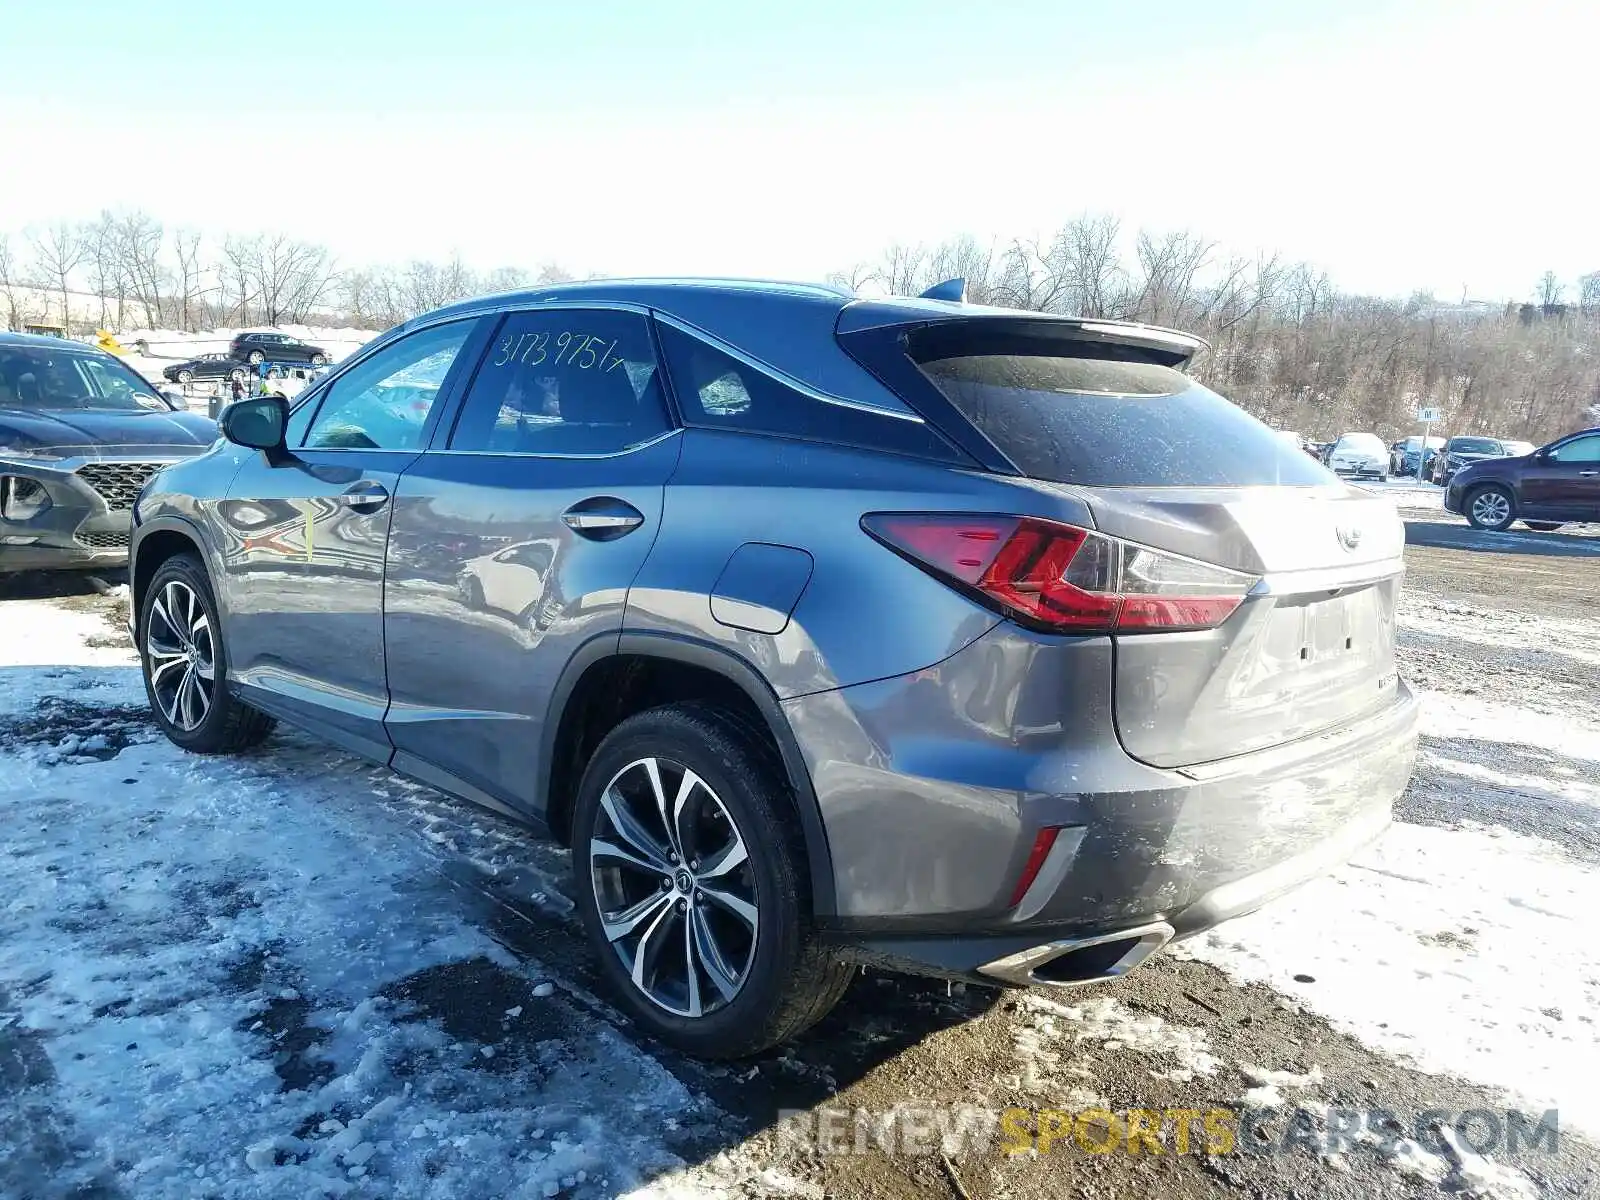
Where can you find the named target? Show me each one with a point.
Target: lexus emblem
(1349, 536)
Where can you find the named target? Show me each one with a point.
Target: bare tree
(1550, 289)
(1589, 292)
(11, 284)
(290, 277)
(1085, 250)
(237, 274)
(140, 239)
(57, 253)
(187, 280)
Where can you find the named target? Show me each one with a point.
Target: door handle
(1589, 472)
(602, 518)
(366, 496)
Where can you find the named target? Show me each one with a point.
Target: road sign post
(1427, 416)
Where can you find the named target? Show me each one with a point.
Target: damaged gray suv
(975, 643)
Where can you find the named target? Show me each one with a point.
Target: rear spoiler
(1170, 347)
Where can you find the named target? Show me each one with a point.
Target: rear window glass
(1113, 423)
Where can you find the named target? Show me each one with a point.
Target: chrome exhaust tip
(1074, 962)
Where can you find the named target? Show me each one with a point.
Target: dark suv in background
(981, 643)
(1459, 451)
(256, 348)
(1545, 489)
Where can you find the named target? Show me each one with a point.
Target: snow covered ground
(243, 978)
(289, 974)
(1459, 940)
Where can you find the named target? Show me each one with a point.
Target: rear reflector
(1063, 578)
(1030, 869)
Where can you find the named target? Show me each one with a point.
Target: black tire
(255, 358)
(791, 980)
(237, 374)
(1482, 500)
(1544, 526)
(229, 724)
(185, 376)
(319, 360)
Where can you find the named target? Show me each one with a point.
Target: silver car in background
(964, 641)
(1359, 456)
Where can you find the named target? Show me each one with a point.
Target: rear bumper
(933, 789)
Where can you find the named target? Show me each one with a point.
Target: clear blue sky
(1399, 145)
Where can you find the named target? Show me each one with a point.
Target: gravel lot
(347, 984)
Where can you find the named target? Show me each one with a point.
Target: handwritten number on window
(582, 351)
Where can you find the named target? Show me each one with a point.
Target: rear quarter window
(1110, 422)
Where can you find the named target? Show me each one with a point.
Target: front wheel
(255, 358)
(1544, 526)
(1490, 508)
(185, 664)
(185, 376)
(319, 360)
(692, 885)
(236, 375)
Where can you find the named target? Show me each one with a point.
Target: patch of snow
(210, 960)
(1428, 946)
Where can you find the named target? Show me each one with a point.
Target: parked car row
(246, 351)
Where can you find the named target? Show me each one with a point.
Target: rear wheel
(186, 666)
(1490, 508)
(1544, 526)
(692, 885)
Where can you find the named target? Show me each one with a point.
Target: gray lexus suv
(977, 643)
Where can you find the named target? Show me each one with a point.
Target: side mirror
(177, 400)
(259, 423)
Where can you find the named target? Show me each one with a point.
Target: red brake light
(1062, 577)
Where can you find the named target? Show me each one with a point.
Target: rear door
(1564, 482)
(515, 540)
(305, 538)
(1163, 463)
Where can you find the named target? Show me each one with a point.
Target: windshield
(1112, 423)
(1365, 443)
(40, 377)
(1518, 447)
(1474, 446)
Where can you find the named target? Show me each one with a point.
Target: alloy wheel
(674, 887)
(180, 656)
(1491, 508)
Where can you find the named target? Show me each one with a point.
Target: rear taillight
(1061, 577)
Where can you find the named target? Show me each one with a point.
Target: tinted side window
(383, 402)
(717, 391)
(566, 381)
(1584, 449)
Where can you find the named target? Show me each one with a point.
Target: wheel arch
(603, 670)
(158, 540)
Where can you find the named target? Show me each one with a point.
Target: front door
(1563, 483)
(515, 541)
(306, 539)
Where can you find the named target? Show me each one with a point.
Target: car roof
(45, 340)
(782, 322)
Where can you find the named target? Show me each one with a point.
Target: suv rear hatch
(1254, 593)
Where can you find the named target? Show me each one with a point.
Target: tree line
(1286, 343)
(127, 269)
